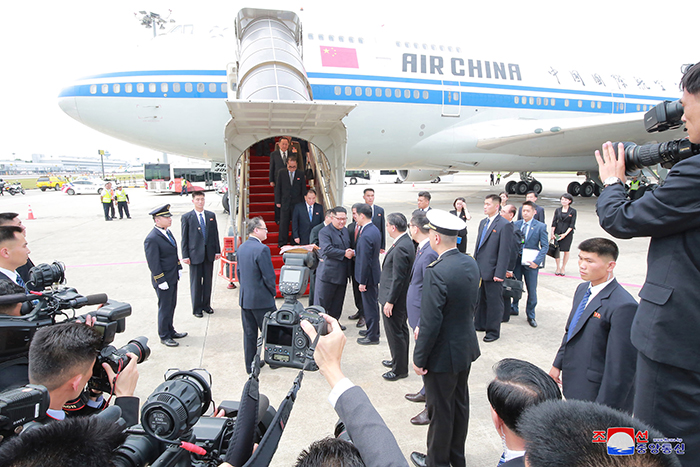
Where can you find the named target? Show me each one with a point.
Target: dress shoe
(169, 342)
(532, 322)
(388, 363)
(361, 322)
(363, 332)
(367, 341)
(179, 335)
(342, 328)
(198, 314)
(418, 459)
(421, 419)
(355, 316)
(209, 311)
(488, 338)
(391, 376)
(417, 397)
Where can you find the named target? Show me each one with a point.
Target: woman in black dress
(460, 210)
(563, 225)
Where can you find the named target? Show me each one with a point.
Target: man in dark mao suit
(257, 292)
(596, 356)
(313, 240)
(278, 160)
(161, 256)
(353, 231)
(200, 248)
(305, 217)
(368, 271)
(508, 212)
(447, 344)
(492, 253)
(334, 266)
(667, 324)
(289, 191)
(378, 218)
(393, 286)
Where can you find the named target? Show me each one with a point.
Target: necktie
(526, 229)
(357, 232)
(20, 282)
(202, 224)
(291, 178)
(311, 213)
(483, 234)
(170, 236)
(577, 315)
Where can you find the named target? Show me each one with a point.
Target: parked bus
(164, 178)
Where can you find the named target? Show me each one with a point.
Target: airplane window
(116, 88)
(580, 104)
(442, 48)
(93, 89)
(341, 39)
(311, 36)
(532, 101)
(176, 87)
(105, 89)
(432, 47)
(188, 87)
(128, 87)
(200, 87)
(524, 100)
(387, 92)
(139, 87)
(223, 87)
(336, 90)
(397, 93)
(566, 102)
(593, 105)
(407, 93)
(553, 102)
(407, 44)
(638, 109)
(398, 44)
(360, 40)
(351, 40)
(425, 46)
(358, 91)
(378, 92)
(459, 49)
(449, 48)
(331, 38)
(539, 101)
(320, 37)
(599, 105)
(425, 95)
(455, 97)
(163, 87)
(212, 87)
(348, 91)
(151, 87)
(368, 92)
(517, 100)
(416, 94)
(546, 101)
(415, 45)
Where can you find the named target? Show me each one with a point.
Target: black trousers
(167, 301)
(331, 297)
(285, 221)
(107, 207)
(397, 335)
(123, 209)
(312, 286)
(370, 307)
(668, 398)
(447, 399)
(200, 285)
(489, 311)
(252, 321)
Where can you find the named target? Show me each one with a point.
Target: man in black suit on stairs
(289, 191)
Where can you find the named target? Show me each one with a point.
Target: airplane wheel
(574, 188)
(510, 187)
(521, 188)
(437, 180)
(587, 189)
(353, 181)
(535, 186)
(224, 201)
(597, 189)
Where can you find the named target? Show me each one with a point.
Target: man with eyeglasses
(257, 292)
(334, 266)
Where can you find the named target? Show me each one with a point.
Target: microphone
(95, 299)
(16, 298)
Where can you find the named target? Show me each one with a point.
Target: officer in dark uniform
(447, 344)
(161, 255)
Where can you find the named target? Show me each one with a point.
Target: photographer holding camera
(667, 322)
(62, 358)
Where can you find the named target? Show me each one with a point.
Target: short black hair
(420, 220)
(329, 212)
(338, 209)
(73, 442)
(531, 204)
(197, 193)
(9, 288)
(567, 196)
(398, 220)
(454, 203)
(57, 351)
(330, 452)
(494, 198)
(364, 209)
(424, 194)
(519, 385)
(310, 190)
(531, 192)
(7, 217)
(691, 79)
(560, 434)
(364, 192)
(7, 232)
(601, 247)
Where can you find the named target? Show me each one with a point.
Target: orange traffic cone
(30, 216)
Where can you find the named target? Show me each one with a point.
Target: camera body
(285, 344)
(117, 359)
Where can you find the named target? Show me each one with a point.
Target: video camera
(21, 406)
(285, 343)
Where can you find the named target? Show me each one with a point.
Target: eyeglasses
(262, 228)
(341, 219)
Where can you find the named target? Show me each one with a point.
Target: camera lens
(138, 347)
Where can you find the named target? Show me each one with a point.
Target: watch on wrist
(611, 181)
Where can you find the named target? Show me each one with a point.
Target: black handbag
(513, 288)
(553, 249)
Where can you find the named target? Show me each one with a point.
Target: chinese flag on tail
(339, 57)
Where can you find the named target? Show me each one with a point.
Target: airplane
(424, 109)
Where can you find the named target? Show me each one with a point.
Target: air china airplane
(423, 109)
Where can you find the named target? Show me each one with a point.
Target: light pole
(153, 20)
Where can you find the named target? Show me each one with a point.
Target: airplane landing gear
(526, 183)
(587, 189)
(574, 188)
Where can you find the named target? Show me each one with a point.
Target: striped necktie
(577, 315)
(202, 224)
(21, 283)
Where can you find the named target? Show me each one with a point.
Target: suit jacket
(517, 250)
(333, 267)
(539, 213)
(369, 433)
(379, 220)
(256, 275)
(367, 270)
(598, 363)
(313, 236)
(667, 324)
(396, 272)
(424, 257)
(536, 239)
(302, 225)
(447, 338)
(161, 256)
(277, 163)
(194, 246)
(494, 255)
(286, 193)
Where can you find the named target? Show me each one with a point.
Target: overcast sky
(46, 45)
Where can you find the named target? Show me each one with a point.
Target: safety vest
(121, 196)
(106, 196)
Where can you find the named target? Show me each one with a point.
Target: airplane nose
(67, 103)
